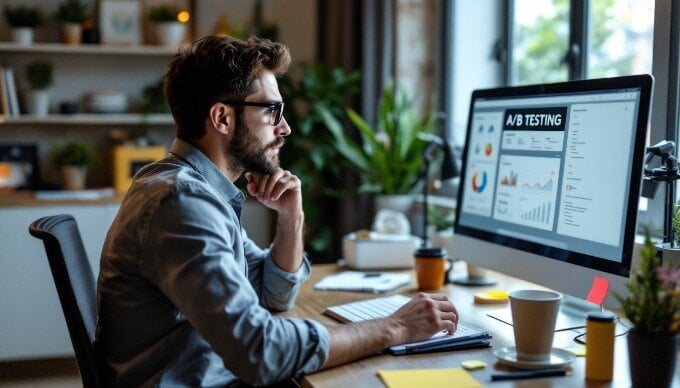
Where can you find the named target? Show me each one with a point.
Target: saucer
(558, 358)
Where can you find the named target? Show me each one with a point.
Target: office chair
(76, 288)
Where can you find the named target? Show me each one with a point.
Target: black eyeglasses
(276, 108)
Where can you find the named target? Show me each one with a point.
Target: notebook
(365, 282)
(465, 337)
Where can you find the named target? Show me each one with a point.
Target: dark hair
(215, 68)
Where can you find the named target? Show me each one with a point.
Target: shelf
(91, 119)
(88, 49)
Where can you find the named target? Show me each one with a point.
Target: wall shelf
(91, 119)
(88, 49)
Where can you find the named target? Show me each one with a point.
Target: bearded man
(185, 297)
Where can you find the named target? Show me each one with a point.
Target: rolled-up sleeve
(192, 261)
(276, 288)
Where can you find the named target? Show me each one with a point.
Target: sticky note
(491, 297)
(473, 364)
(579, 351)
(598, 291)
(408, 378)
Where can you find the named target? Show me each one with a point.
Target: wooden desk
(362, 373)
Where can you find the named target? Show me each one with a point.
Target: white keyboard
(379, 308)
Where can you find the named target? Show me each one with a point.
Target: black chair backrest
(76, 288)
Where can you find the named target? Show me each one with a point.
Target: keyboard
(380, 308)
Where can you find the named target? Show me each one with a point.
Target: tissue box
(379, 251)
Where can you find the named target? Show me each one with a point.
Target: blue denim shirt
(184, 295)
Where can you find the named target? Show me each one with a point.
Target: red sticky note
(598, 291)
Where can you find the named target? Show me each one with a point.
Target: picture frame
(120, 22)
(127, 160)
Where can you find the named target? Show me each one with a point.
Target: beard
(249, 153)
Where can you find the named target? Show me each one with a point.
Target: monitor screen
(551, 180)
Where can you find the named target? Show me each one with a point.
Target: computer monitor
(551, 181)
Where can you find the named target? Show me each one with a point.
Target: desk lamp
(449, 170)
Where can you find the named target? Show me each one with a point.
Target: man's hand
(280, 191)
(419, 319)
(425, 315)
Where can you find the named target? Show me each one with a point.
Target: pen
(529, 374)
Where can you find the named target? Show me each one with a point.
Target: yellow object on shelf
(491, 297)
(127, 160)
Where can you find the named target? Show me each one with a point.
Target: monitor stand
(476, 276)
(571, 315)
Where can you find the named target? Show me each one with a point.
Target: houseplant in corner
(71, 15)
(170, 30)
(389, 157)
(653, 307)
(22, 20)
(39, 76)
(73, 158)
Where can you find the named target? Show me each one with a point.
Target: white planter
(22, 36)
(38, 102)
(398, 203)
(71, 33)
(73, 177)
(170, 34)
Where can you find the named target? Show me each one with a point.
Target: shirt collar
(204, 166)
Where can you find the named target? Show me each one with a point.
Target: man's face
(256, 141)
(251, 152)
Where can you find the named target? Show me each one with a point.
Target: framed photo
(120, 22)
(127, 160)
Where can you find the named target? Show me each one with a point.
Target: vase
(71, 33)
(170, 34)
(38, 102)
(652, 358)
(73, 177)
(22, 36)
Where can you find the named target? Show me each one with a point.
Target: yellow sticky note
(450, 377)
(473, 364)
(579, 351)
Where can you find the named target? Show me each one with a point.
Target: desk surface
(362, 373)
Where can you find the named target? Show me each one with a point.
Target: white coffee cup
(534, 313)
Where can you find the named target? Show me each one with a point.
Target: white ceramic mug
(534, 313)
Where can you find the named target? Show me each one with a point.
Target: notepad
(449, 377)
(360, 281)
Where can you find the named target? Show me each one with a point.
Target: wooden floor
(57, 373)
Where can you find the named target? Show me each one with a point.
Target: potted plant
(441, 225)
(170, 30)
(39, 76)
(22, 20)
(71, 15)
(653, 307)
(313, 156)
(389, 157)
(73, 158)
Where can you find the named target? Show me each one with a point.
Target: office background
(429, 48)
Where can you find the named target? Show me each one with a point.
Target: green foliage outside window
(540, 46)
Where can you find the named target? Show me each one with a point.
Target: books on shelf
(9, 102)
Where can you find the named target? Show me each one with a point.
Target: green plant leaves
(389, 157)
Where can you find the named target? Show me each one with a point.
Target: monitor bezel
(645, 84)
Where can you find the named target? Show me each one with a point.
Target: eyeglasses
(276, 108)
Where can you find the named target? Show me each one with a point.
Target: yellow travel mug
(600, 345)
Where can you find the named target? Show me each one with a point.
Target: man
(184, 296)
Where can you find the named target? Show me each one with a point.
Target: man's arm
(281, 192)
(419, 319)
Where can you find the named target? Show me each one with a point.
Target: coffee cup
(534, 313)
(431, 267)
